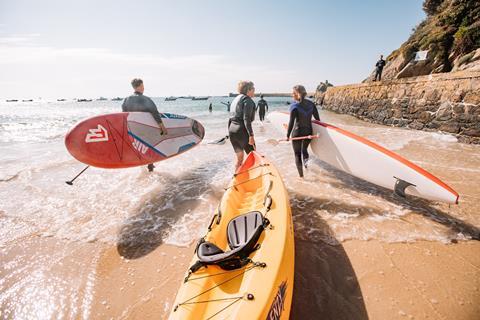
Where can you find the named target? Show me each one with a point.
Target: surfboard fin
(400, 186)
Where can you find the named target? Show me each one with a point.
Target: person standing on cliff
(262, 107)
(379, 68)
(137, 102)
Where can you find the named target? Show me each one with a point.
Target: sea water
(182, 192)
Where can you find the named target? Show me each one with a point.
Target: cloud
(40, 68)
(24, 39)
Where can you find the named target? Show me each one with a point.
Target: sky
(88, 49)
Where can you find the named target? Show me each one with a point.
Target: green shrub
(467, 39)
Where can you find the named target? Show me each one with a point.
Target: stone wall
(448, 102)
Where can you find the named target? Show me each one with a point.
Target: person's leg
(305, 144)
(239, 160)
(237, 143)
(297, 150)
(380, 75)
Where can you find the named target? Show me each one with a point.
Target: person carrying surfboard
(300, 125)
(138, 102)
(240, 125)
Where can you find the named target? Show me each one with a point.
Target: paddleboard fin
(400, 186)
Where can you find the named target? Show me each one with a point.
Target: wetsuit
(140, 103)
(262, 108)
(240, 125)
(379, 68)
(301, 125)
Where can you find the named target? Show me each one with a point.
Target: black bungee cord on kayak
(249, 296)
(259, 166)
(235, 185)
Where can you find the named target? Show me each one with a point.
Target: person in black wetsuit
(210, 108)
(140, 103)
(300, 125)
(262, 107)
(240, 125)
(379, 68)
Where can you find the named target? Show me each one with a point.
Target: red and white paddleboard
(369, 161)
(129, 139)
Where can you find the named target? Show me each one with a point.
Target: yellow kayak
(243, 267)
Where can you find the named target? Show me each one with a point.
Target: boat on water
(200, 98)
(117, 99)
(170, 98)
(84, 100)
(243, 268)
(11, 100)
(62, 99)
(102, 99)
(27, 100)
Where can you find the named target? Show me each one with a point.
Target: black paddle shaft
(70, 183)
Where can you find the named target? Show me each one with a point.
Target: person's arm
(156, 115)
(293, 116)
(315, 112)
(152, 108)
(266, 105)
(248, 115)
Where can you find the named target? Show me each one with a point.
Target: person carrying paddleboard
(300, 124)
(240, 125)
(262, 107)
(137, 102)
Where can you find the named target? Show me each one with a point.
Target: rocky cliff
(448, 102)
(450, 34)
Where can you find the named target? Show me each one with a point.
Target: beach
(117, 243)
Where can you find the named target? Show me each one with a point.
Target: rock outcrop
(448, 102)
(450, 34)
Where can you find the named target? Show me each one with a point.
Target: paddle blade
(273, 142)
(219, 141)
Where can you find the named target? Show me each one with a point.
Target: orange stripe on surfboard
(391, 154)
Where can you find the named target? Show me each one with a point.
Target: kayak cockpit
(243, 233)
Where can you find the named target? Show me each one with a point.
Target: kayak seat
(243, 233)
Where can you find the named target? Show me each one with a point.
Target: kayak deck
(262, 288)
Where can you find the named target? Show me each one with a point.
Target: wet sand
(352, 280)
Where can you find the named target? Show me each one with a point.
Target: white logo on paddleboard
(139, 146)
(97, 135)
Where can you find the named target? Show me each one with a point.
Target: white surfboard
(369, 161)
